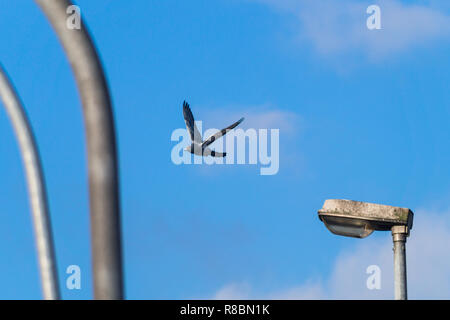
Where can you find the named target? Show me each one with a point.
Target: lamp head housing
(359, 219)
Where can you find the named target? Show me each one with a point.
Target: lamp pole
(101, 150)
(36, 187)
(359, 219)
(399, 235)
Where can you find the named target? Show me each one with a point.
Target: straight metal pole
(36, 187)
(101, 149)
(399, 235)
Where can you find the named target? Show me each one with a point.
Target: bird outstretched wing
(221, 133)
(190, 123)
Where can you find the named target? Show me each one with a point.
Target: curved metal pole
(36, 187)
(101, 150)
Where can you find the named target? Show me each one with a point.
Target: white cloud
(339, 27)
(427, 261)
(243, 291)
(264, 116)
(312, 291)
(234, 291)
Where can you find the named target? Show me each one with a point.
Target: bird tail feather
(218, 154)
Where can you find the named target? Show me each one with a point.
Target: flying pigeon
(198, 146)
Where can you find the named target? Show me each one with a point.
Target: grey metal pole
(36, 187)
(399, 235)
(101, 150)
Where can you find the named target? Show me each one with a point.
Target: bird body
(197, 149)
(198, 146)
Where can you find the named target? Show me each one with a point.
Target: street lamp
(359, 219)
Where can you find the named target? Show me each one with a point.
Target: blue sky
(363, 115)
